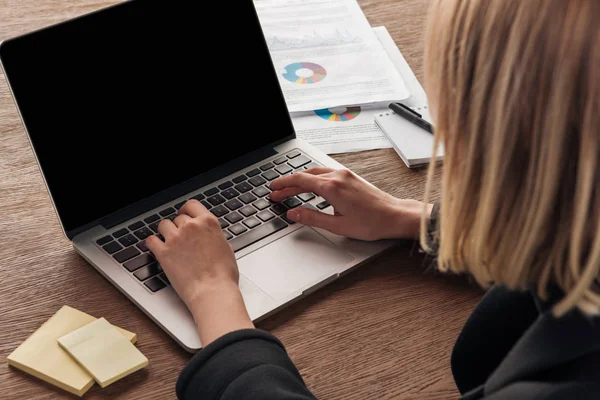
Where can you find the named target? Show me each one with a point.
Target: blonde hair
(514, 90)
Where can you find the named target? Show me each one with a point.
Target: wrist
(405, 217)
(207, 292)
(218, 308)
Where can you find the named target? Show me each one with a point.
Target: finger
(304, 181)
(181, 219)
(281, 195)
(317, 219)
(193, 208)
(167, 228)
(319, 170)
(154, 244)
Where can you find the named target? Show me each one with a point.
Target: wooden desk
(386, 331)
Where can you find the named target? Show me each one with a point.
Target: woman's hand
(202, 268)
(361, 210)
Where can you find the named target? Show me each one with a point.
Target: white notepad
(413, 144)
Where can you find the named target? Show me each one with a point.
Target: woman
(514, 87)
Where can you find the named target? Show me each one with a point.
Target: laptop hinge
(186, 187)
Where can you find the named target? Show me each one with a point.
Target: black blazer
(510, 348)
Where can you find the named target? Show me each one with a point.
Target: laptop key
(142, 246)
(104, 240)
(234, 204)
(255, 171)
(292, 202)
(306, 196)
(136, 226)
(138, 262)
(239, 179)
(227, 235)
(167, 211)
(257, 181)
(265, 215)
(248, 211)
(211, 192)
(270, 175)
(283, 169)
(293, 154)
(198, 197)
(126, 254)
(244, 187)
(163, 276)
(261, 191)
(155, 284)
(128, 240)
(247, 198)
(151, 219)
(219, 211)
(286, 219)
(112, 247)
(251, 222)
(237, 229)
(267, 166)
(279, 209)
(279, 160)
(206, 204)
(234, 217)
(120, 232)
(230, 193)
(154, 226)
(143, 233)
(322, 205)
(148, 271)
(179, 205)
(225, 185)
(299, 161)
(261, 232)
(216, 200)
(172, 217)
(224, 224)
(311, 165)
(262, 204)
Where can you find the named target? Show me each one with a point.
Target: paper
(342, 129)
(103, 352)
(418, 99)
(41, 356)
(327, 55)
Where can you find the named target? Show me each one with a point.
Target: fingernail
(293, 215)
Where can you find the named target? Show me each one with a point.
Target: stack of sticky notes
(73, 349)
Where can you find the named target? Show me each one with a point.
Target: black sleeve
(546, 391)
(246, 364)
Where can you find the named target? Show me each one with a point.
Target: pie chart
(338, 113)
(304, 73)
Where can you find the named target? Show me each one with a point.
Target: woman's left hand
(202, 268)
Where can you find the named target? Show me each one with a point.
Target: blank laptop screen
(131, 100)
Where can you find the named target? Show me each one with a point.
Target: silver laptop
(137, 108)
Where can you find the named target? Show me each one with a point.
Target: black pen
(411, 115)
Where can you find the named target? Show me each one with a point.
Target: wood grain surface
(383, 332)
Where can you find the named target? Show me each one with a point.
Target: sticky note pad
(41, 356)
(103, 352)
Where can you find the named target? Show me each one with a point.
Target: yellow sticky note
(103, 352)
(41, 356)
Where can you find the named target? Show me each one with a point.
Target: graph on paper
(337, 38)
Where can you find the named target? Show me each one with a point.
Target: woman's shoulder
(532, 351)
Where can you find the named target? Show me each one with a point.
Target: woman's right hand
(361, 210)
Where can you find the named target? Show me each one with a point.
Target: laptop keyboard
(245, 213)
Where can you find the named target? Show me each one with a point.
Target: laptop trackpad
(294, 262)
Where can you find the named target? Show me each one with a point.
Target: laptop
(139, 107)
